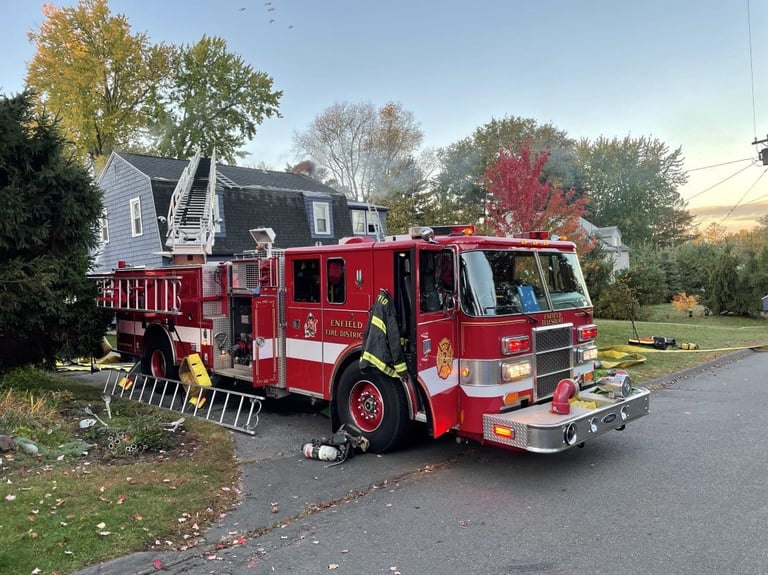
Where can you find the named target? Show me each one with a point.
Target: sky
(691, 73)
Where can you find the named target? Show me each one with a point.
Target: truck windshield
(503, 282)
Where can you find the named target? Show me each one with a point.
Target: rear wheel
(376, 405)
(158, 358)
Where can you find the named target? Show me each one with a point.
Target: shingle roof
(252, 198)
(171, 169)
(156, 168)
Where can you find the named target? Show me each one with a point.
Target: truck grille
(554, 358)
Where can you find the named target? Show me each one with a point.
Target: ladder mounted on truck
(232, 409)
(139, 293)
(192, 210)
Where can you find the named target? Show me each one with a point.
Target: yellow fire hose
(620, 356)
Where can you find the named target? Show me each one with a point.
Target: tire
(376, 405)
(158, 358)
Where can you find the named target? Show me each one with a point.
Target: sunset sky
(683, 71)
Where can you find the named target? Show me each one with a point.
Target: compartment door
(265, 344)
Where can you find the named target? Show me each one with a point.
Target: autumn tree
(633, 184)
(684, 302)
(215, 100)
(113, 89)
(521, 198)
(463, 163)
(368, 152)
(714, 233)
(100, 80)
(49, 209)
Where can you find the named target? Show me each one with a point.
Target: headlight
(514, 370)
(585, 354)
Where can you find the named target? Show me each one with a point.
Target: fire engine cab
(497, 334)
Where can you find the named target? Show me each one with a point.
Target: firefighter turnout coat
(381, 339)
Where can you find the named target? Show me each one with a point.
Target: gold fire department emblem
(444, 362)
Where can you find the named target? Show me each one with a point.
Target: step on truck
(496, 335)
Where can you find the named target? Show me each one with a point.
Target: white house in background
(610, 239)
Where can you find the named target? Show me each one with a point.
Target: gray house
(139, 190)
(610, 240)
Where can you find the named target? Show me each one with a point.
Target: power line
(744, 195)
(718, 165)
(757, 199)
(720, 182)
(751, 71)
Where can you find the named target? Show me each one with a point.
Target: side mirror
(450, 302)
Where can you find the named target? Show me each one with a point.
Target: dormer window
(321, 214)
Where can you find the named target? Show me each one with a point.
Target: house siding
(250, 198)
(121, 182)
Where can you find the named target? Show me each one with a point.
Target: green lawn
(716, 336)
(64, 509)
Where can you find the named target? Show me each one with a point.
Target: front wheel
(376, 405)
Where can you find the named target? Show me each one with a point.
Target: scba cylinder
(322, 452)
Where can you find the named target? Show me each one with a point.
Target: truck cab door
(436, 344)
(304, 318)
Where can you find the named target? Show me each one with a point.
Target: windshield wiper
(515, 310)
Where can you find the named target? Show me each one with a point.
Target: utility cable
(718, 165)
(751, 72)
(744, 195)
(720, 182)
(757, 199)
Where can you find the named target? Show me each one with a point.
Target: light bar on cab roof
(453, 230)
(535, 235)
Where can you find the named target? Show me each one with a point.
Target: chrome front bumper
(539, 430)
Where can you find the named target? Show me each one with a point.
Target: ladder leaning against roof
(191, 213)
(375, 221)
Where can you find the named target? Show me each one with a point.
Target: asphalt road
(683, 490)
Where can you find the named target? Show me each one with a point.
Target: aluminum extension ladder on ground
(231, 409)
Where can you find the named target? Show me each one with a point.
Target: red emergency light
(515, 344)
(463, 230)
(587, 332)
(454, 230)
(535, 235)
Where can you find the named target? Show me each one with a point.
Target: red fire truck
(497, 333)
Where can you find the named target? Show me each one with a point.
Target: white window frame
(321, 212)
(104, 228)
(358, 217)
(137, 229)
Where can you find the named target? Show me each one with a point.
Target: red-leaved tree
(520, 198)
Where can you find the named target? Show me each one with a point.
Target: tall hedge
(49, 213)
